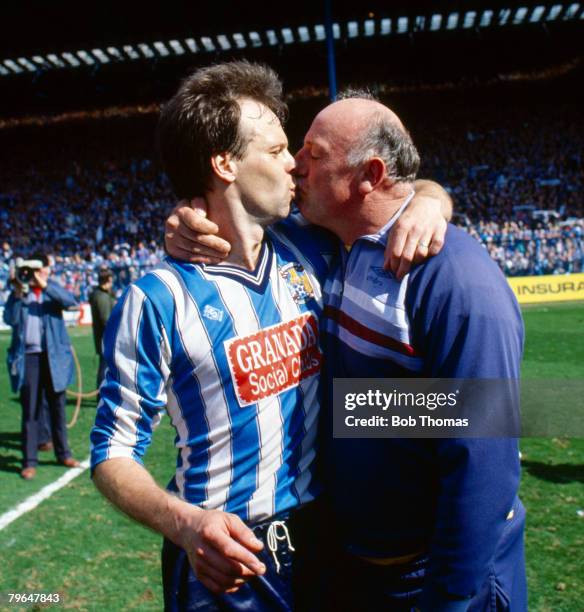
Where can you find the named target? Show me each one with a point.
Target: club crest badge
(298, 282)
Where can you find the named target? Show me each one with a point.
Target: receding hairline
(249, 120)
(246, 101)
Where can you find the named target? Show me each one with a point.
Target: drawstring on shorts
(273, 538)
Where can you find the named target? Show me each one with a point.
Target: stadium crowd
(521, 250)
(516, 181)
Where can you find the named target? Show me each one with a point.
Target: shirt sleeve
(133, 394)
(12, 310)
(468, 325)
(64, 298)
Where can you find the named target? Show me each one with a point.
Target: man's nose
(290, 162)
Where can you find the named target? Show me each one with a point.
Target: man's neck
(243, 232)
(371, 214)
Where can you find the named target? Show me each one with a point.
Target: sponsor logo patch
(298, 282)
(276, 358)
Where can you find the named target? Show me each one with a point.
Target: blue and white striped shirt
(234, 357)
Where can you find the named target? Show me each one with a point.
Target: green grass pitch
(74, 543)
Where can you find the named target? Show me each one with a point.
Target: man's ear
(372, 175)
(224, 167)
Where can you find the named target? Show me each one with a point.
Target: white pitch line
(34, 500)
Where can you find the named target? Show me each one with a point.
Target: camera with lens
(25, 269)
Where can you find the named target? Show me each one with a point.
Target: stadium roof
(66, 56)
(40, 37)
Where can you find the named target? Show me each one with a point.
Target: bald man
(435, 523)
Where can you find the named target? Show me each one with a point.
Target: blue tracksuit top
(452, 317)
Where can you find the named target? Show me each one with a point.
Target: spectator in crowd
(6, 254)
(542, 247)
(40, 360)
(102, 302)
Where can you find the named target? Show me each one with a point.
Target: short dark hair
(104, 276)
(202, 120)
(386, 140)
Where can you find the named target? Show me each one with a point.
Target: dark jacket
(102, 303)
(58, 346)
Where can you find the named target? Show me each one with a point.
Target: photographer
(40, 360)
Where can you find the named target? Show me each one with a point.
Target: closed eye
(275, 152)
